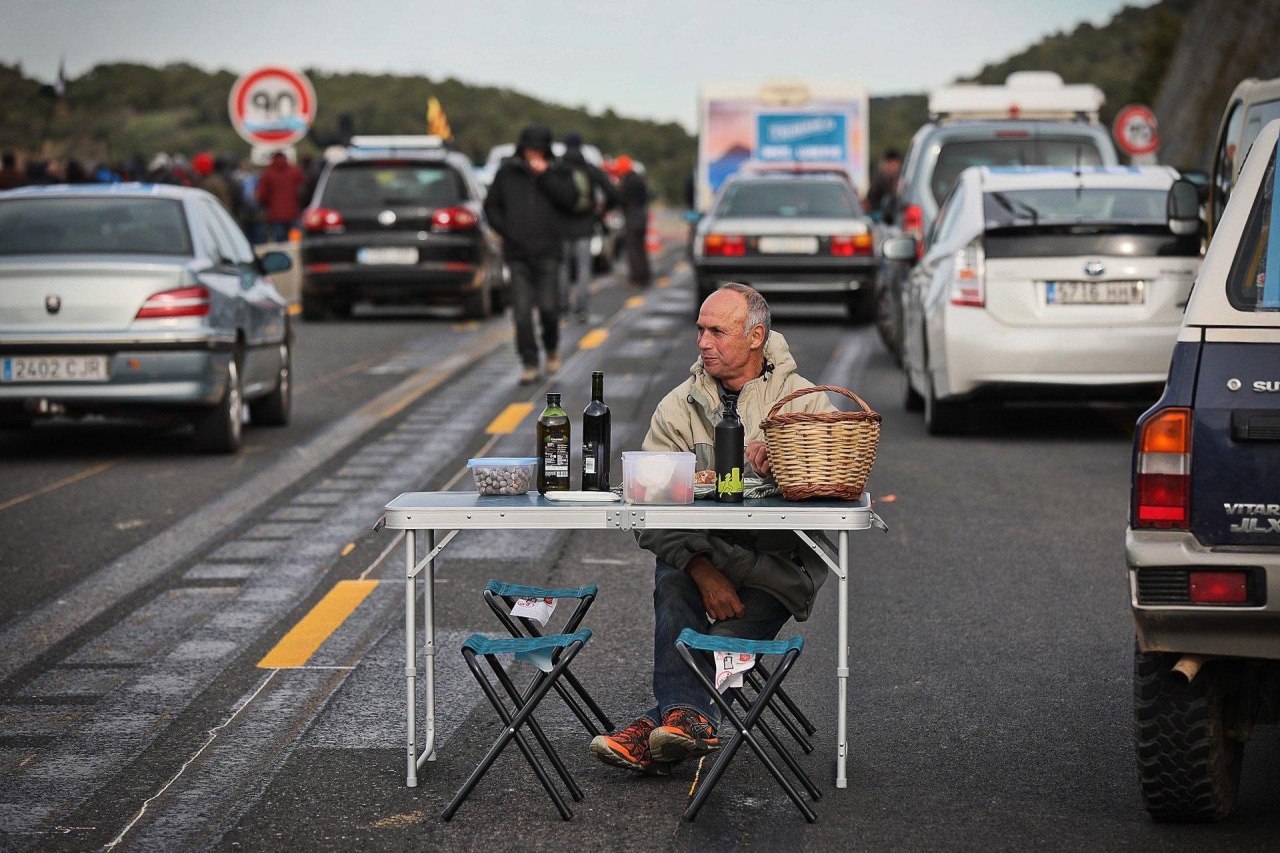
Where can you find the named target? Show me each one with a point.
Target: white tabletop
(471, 511)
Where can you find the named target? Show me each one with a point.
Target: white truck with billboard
(780, 124)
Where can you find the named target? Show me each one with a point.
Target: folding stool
(783, 707)
(501, 597)
(566, 646)
(789, 650)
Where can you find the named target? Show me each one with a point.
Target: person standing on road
(10, 175)
(278, 191)
(209, 179)
(523, 206)
(749, 582)
(884, 186)
(635, 210)
(594, 195)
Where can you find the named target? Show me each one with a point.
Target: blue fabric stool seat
(501, 597)
(690, 641)
(558, 650)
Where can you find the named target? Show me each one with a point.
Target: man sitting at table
(740, 583)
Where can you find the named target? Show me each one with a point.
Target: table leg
(411, 655)
(842, 663)
(429, 616)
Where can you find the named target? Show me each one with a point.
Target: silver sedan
(137, 300)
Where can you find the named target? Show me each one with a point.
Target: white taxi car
(1045, 283)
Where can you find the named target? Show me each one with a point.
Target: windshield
(789, 199)
(955, 157)
(1109, 205)
(50, 226)
(379, 185)
(1254, 283)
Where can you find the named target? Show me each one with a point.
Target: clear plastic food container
(498, 475)
(657, 478)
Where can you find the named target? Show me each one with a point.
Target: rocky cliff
(1222, 43)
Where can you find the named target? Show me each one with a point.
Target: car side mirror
(1200, 178)
(899, 249)
(876, 216)
(273, 262)
(1183, 208)
(693, 217)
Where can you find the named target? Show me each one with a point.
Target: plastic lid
(487, 461)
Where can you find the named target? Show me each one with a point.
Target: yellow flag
(437, 124)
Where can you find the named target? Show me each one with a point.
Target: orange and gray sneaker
(683, 734)
(629, 749)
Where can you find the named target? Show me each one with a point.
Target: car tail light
(859, 245)
(1219, 587)
(454, 219)
(1162, 484)
(913, 226)
(184, 302)
(322, 220)
(724, 245)
(967, 286)
(1012, 134)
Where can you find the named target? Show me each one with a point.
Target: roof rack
(396, 142)
(1025, 95)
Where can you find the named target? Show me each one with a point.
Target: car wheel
(861, 306)
(274, 409)
(942, 417)
(479, 304)
(911, 399)
(887, 325)
(313, 309)
(341, 310)
(705, 288)
(1188, 763)
(218, 429)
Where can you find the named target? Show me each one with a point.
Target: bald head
(730, 343)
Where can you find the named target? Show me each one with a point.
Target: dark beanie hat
(536, 137)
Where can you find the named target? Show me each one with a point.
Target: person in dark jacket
(523, 206)
(209, 179)
(635, 210)
(594, 195)
(10, 175)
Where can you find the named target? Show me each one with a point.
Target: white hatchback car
(1045, 283)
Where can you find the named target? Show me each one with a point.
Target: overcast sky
(644, 58)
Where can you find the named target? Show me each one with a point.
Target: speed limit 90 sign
(272, 107)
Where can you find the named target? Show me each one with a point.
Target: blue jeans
(677, 604)
(575, 276)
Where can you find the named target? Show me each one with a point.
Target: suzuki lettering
(1267, 386)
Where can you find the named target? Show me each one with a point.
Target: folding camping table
(450, 512)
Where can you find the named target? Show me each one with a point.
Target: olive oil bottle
(553, 447)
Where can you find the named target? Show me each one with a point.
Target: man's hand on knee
(718, 595)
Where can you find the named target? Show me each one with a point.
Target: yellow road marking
(665, 281)
(434, 380)
(508, 419)
(593, 339)
(634, 302)
(294, 309)
(465, 326)
(66, 481)
(296, 647)
(351, 546)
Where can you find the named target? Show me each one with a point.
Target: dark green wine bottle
(595, 439)
(553, 447)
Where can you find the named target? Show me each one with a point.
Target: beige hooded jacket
(772, 561)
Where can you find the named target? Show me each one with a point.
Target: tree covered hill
(119, 111)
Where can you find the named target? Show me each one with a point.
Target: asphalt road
(990, 653)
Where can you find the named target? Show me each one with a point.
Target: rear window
(1254, 283)
(1014, 207)
(957, 156)
(48, 226)
(391, 184)
(789, 199)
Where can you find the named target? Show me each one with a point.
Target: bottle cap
(553, 398)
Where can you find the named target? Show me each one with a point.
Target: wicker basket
(822, 454)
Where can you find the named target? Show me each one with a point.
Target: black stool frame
(743, 732)
(525, 703)
(531, 629)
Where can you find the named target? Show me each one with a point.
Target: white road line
(213, 735)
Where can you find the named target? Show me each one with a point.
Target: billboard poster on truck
(779, 125)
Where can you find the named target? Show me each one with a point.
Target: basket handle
(835, 389)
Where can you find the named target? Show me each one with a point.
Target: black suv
(1203, 543)
(398, 220)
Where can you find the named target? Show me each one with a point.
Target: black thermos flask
(730, 443)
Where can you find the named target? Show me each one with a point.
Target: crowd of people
(265, 202)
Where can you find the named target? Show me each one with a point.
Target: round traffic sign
(272, 106)
(1135, 130)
